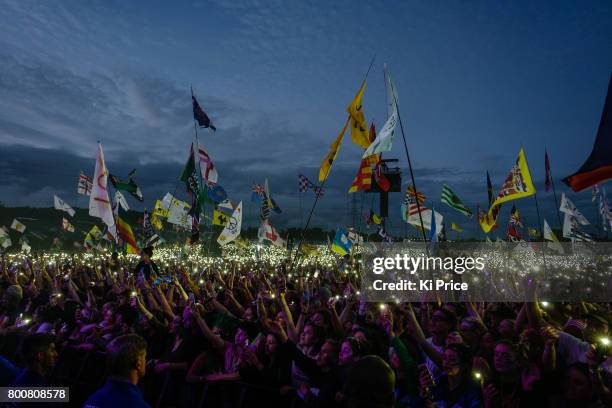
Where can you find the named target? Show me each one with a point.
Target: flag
(595, 193)
(257, 193)
(359, 126)
(568, 207)
(451, 199)
(383, 235)
(267, 232)
(18, 226)
(147, 226)
(513, 234)
(373, 218)
(410, 191)
(518, 184)
(456, 228)
(490, 192)
(178, 213)
(598, 167)
(207, 168)
(227, 204)
(304, 184)
(120, 199)
(67, 226)
(192, 179)
(232, 227)
(5, 239)
(219, 218)
(363, 180)
(130, 186)
(61, 205)
(216, 193)
(433, 232)
(125, 233)
(533, 232)
(156, 222)
(99, 201)
(84, 185)
(549, 235)
(341, 243)
(201, 116)
(410, 213)
(270, 201)
(161, 208)
(548, 176)
(382, 180)
(331, 155)
(95, 232)
(353, 236)
(515, 217)
(384, 139)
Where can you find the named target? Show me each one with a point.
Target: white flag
(62, 206)
(120, 199)
(99, 202)
(25, 247)
(268, 232)
(17, 226)
(5, 239)
(568, 207)
(232, 227)
(384, 138)
(207, 168)
(178, 213)
(226, 204)
(426, 216)
(549, 235)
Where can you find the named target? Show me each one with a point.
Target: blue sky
(476, 80)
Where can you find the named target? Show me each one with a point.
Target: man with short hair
(146, 267)
(127, 364)
(370, 383)
(39, 356)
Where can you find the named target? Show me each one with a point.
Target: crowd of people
(262, 335)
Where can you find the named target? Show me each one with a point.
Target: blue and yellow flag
(341, 244)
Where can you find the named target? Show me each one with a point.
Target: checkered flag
(304, 184)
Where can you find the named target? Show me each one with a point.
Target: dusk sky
(476, 81)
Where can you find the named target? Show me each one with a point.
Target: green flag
(451, 199)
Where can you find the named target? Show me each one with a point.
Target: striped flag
(363, 180)
(410, 191)
(85, 184)
(451, 199)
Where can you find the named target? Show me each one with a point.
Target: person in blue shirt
(127, 364)
(39, 355)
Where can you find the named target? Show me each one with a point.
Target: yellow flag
(455, 227)
(518, 184)
(160, 209)
(360, 134)
(331, 156)
(219, 218)
(156, 222)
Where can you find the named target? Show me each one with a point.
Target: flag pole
(535, 196)
(197, 163)
(410, 167)
(552, 182)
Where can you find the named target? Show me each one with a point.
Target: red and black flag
(201, 116)
(598, 167)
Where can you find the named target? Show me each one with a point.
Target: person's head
(578, 385)
(310, 335)
(456, 360)
(176, 326)
(244, 333)
(38, 352)
(147, 253)
(272, 344)
(249, 314)
(12, 296)
(350, 351)
(108, 311)
(127, 356)
(442, 322)
(470, 330)
(328, 356)
(370, 383)
(506, 357)
(320, 319)
(454, 337)
(359, 333)
(505, 329)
